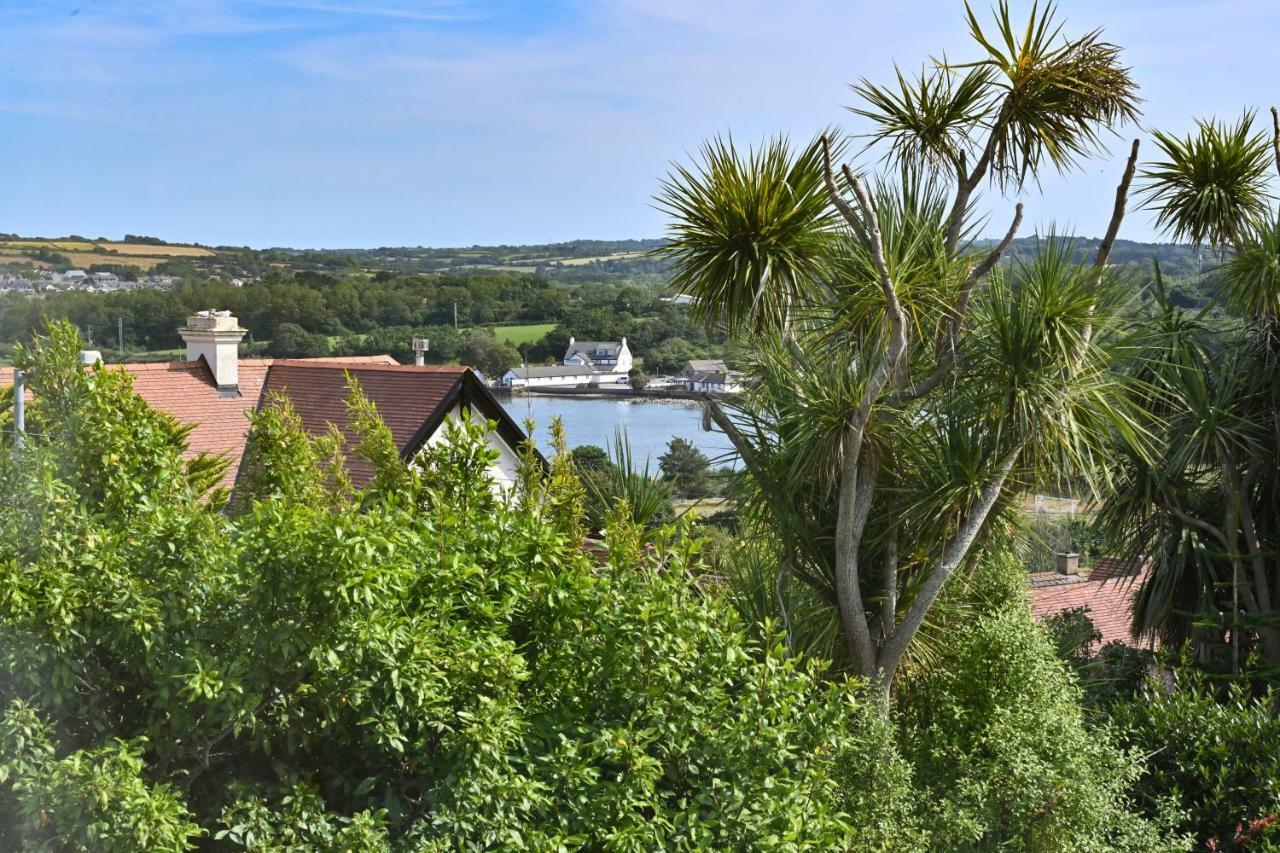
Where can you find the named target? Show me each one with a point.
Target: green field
(522, 334)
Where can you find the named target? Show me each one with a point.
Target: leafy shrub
(1218, 754)
(94, 799)
(1000, 748)
(292, 341)
(420, 665)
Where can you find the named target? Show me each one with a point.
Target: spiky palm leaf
(912, 209)
(927, 120)
(750, 231)
(1211, 183)
(1045, 338)
(1251, 276)
(1058, 94)
(648, 496)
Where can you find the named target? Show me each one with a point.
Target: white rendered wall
(503, 470)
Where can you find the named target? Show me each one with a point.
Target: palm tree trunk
(857, 487)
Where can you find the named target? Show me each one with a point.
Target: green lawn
(522, 334)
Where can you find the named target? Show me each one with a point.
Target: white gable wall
(503, 470)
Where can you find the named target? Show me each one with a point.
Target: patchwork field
(157, 251)
(88, 259)
(581, 262)
(83, 253)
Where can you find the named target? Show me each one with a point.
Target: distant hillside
(75, 252)
(1176, 259)
(576, 261)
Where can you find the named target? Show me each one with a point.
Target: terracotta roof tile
(1108, 602)
(186, 391)
(1108, 568)
(406, 397)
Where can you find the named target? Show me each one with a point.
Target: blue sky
(343, 123)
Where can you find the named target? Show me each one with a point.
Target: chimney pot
(215, 336)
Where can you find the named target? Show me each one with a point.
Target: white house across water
(586, 363)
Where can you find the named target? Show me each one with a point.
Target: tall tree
(1207, 508)
(687, 467)
(906, 388)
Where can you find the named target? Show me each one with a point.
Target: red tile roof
(186, 390)
(407, 398)
(1107, 600)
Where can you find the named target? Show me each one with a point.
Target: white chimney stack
(215, 335)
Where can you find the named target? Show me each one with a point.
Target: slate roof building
(585, 363)
(547, 376)
(711, 375)
(215, 391)
(602, 356)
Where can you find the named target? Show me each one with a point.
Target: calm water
(649, 424)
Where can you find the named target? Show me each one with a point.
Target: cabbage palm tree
(1207, 508)
(906, 387)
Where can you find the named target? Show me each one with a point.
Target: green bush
(420, 665)
(999, 744)
(92, 799)
(1219, 754)
(292, 341)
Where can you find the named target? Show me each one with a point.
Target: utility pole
(120, 335)
(455, 314)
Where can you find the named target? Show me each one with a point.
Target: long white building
(586, 363)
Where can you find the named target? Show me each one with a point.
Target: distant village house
(710, 376)
(586, 363)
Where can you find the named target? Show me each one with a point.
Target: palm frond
(750, 231)
(1251, 276)
(1211, 183)
(1059, 94)
(930, 119)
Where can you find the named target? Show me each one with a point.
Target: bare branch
(1239, 489)
(1199, 524)
(1275, 138)
(1109, 239)
(966, 184)
(946, 345)
(731, 431)
(837, 197)
(893, 308)
(988, 263)
(889, 604)
(1117, 213)
(857, 488)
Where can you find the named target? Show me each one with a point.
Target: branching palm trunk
(877, 642)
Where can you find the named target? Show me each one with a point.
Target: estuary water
(649, 424)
